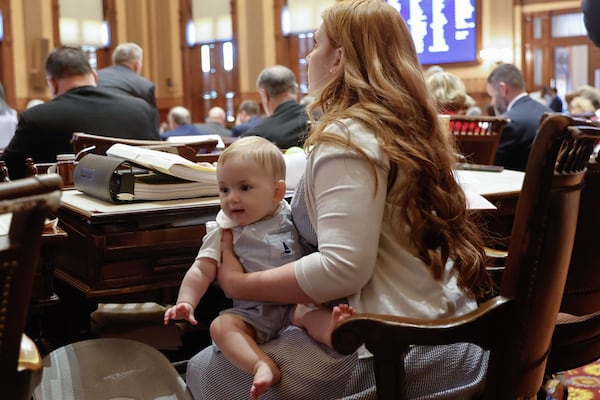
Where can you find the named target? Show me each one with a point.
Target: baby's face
(247, 193)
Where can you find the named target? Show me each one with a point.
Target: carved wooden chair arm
(381, 334)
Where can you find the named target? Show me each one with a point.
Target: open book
(167, 163)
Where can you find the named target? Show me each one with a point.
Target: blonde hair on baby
(258, 149)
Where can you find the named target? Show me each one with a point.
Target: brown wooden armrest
(572, 328)
(383, 334)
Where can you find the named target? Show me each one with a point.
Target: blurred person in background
(248, 116)
(8, 120)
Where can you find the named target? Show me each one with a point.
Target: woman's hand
(231, 274)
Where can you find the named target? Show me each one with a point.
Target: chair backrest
(477, 136)
(190, 151)
(517, 325)
(540, 249)
(26, 203)
(582, 290)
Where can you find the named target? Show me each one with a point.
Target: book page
(167, 163)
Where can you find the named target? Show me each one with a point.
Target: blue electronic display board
(444, 31)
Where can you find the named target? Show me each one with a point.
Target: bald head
(217, 115)
(178, 116)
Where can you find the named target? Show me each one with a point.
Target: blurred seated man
(8, 120)
(77, 106)
(286, 121)
(124, 76)
(179, 121)
(248, 116)
(506, 87)
(216, 123)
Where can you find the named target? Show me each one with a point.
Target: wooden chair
(26, 202)
(516, 326)
(477, 137)
(196, 151)
(576, 339)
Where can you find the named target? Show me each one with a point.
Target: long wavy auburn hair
(381, 85)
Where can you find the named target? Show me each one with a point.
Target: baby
(251, 178)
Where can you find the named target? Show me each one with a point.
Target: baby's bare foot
(338, 314)
(341, 312)
(265, 376)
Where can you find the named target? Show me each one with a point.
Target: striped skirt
(310, 370)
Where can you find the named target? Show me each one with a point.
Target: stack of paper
(157, 186)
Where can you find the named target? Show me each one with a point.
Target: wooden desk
(117, 249)
(43, 286)
(502, 190)
(42, 293)
(120, 249)
(43, 296)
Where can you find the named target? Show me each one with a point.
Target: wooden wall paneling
(196, 83)
(237, 99)
(165, 54)
(185, 14)
(40, 19)
(7, 73)
(250, 48)
(104, 55)
(547, 44)
(282, 44)
(55, 24)
(136, 28)
(110, 15)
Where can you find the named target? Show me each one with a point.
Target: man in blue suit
(180, 124)
(506, 87)
(248, 116)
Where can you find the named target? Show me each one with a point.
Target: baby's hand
(180, 311)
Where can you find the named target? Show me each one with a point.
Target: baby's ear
(279, 191)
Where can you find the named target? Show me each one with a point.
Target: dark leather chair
(197, 151)
(477, 136)
(26, 202)
(517, 325)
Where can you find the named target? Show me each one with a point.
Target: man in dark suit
(506, 87)
(124, 76)
(286, 121)
(77, 106)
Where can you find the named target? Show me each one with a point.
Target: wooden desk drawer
(100, 261)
